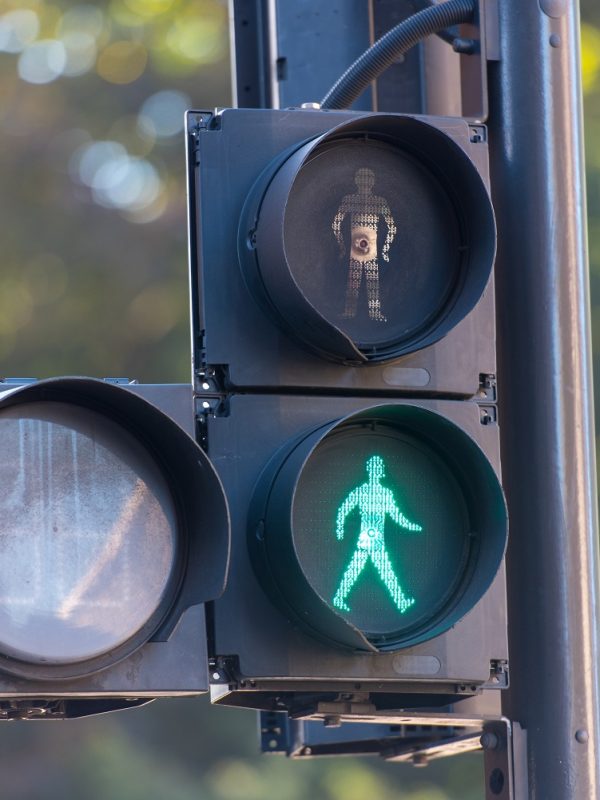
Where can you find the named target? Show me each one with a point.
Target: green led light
(382, 529)
(374, 502)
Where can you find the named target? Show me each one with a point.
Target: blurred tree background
(94, 282)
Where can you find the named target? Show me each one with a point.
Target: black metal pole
(545, 395)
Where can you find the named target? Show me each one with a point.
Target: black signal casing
(260, 652)
(375, 462)
(234, 157)
(273, 363)
(172, 659)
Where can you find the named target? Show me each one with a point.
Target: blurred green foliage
(188, 750)
(93, 281)
(591, 96)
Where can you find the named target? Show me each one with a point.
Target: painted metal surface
(545, 397)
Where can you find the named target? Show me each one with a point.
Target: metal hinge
(198, 122)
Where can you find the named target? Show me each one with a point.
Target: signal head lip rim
(288, 303)
(121, 406)
(476, 577)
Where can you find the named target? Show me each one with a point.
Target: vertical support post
(545, 395)
(250, 53)
(286, 53)
(442, 78)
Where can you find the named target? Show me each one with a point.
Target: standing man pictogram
(365, 209)
(374, 502)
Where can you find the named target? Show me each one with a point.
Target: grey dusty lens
(87, 534)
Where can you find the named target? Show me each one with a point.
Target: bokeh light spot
(148, 8)
(82, 19)
(162, 114)
(126, 183)
(149, 212)
(122, 62)
(18, 28)
(81, 52)
(90, 157)
(198, 40)
(590, 56)
(43, 61)
(119, 180)
(237, 780)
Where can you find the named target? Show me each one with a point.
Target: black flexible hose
(446, 36)
(384, 52)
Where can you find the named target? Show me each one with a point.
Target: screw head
(489, 740)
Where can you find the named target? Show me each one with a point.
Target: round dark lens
(372, 240)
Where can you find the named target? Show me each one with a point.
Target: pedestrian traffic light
(114, 533)
(360, 239)
(335, 215)
(329, 532)
(343, 317)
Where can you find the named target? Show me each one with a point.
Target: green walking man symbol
(374, 502)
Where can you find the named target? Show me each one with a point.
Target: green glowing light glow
(374, 502)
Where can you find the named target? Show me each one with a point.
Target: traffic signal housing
(115, 532)
(388, 490)
(343, 315)
(274, 198)
(422, 236)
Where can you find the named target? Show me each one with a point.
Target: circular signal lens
(395, 537)
(380, 530)
(372, 240)
(89, 540)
